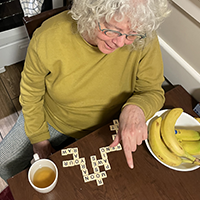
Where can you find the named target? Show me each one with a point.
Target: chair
(32, 23)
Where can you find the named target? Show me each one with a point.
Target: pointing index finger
(129, 157)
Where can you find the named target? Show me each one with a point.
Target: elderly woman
(83, 68)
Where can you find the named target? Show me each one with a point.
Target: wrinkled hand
(43, 149)
(132, 131)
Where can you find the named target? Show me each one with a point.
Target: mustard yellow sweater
(76, 88)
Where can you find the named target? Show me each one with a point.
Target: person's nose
(119, 41)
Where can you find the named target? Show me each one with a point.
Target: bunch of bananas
(173, 149)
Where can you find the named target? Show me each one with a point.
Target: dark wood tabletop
(149, 180)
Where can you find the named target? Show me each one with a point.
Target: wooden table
(149, 180)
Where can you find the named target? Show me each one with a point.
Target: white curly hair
(145, 16)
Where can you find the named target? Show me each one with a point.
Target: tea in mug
(44, 177)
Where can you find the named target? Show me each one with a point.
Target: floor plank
(17, 105)
(20, 66)
(11, 79)
(8, 113)
(7, 106)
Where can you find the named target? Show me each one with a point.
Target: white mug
(43, 174)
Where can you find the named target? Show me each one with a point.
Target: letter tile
(92, 177)
(77, 162)
(107, 166)
(107, 149)
(112, 127)
(102, 150)
(114, 136)
(93, 158)
(83, 166)
(85, 172)
(65, 163)
(94, 164)
(63, 152)
(103, 174)
(99, 182)
(105, 161)
(82, 161)
(71, 163)
(86, 178)
(100, 162)
(70, 150)
(96, 169)
(75, 156)
(116, 122)
(119, 147)
(98, 176)
(75, 150)
(113, 149)
(104, 155)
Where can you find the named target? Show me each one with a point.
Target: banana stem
(187, 161)
(192, 158)
(196, 161)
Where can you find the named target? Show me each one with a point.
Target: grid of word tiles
(98, 175)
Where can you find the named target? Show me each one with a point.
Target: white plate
(184, 121)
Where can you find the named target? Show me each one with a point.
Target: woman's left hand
(132, 131)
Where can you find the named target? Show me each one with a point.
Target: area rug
(6, 194)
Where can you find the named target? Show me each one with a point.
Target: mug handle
(35, 158)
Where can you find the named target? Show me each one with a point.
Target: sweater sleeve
(32, 90)
(148, 93)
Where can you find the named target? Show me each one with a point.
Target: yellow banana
(159, 148)
(192, 147)
(184, 134)
(167, 132)
(198, 119)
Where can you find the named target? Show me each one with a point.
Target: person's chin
(107, 50)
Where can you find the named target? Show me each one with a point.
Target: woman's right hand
(43, 149)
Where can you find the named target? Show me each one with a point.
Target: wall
(180, 45)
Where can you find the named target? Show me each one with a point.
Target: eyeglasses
(112, 33)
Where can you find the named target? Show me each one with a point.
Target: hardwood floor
(9, 97)
(10, 107)
(9, 102)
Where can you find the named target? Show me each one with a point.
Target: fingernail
(131, 166)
